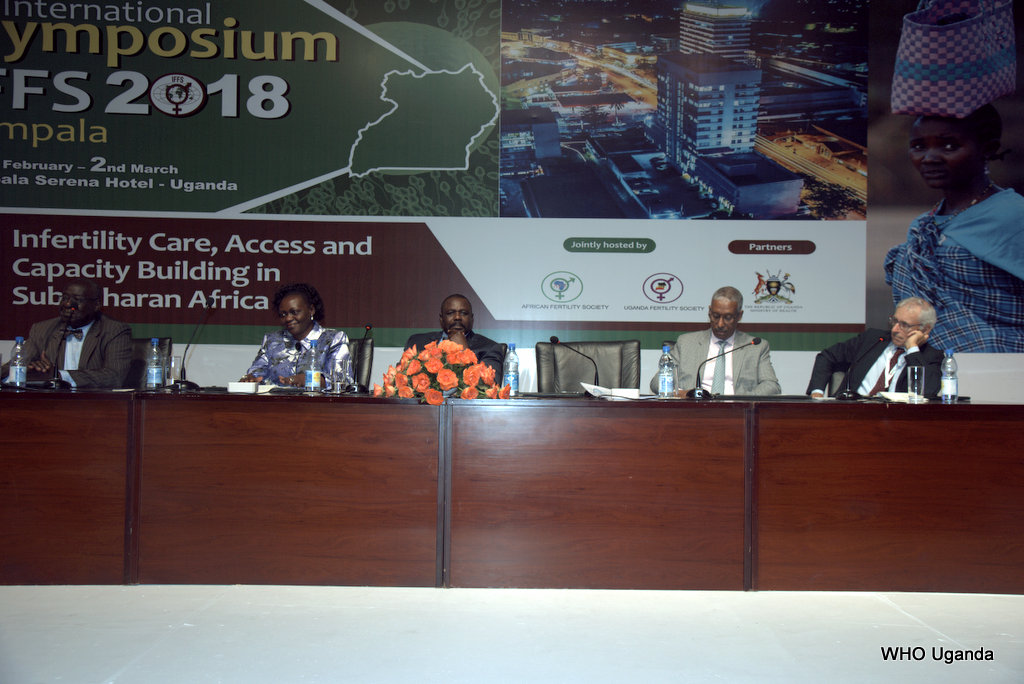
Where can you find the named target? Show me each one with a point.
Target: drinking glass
(915, 384)
(341, 377)
(173, 369)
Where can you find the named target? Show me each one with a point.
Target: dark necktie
(76, 333)
(880, 385)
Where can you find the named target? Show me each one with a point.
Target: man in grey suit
(746, 371)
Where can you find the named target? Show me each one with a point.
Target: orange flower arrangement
(442, 368)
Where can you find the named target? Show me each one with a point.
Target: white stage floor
(255, 634)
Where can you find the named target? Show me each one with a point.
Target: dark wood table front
(287, 490)
(889, 497)
(64, 459)
(107, 488)
(589, 494)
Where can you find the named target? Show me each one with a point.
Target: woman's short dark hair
(308, 291)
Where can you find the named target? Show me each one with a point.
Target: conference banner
(525, 153)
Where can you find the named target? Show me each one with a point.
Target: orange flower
(433, 397)
(448, 346)
(470, 392)
(377, 390)
(401, 380)
(421, 382)
(433, 365)
(389, 390)
(486, 374)
(471, 376)
(405, 392)
(465, 357)
(447, 379)
(409, 354)
(413, 368)
(491, 392)
(505, 391)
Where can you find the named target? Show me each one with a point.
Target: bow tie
(76, 333)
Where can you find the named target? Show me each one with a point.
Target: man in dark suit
(876, 360)
(457, 325)
(94, 353)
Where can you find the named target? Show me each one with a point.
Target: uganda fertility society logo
(663, 288)
(663, 291)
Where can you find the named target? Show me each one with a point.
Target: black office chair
(361, 350)
(136, 378)
(560, 370)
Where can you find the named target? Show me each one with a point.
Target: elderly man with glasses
(89, 349)
(876, 360)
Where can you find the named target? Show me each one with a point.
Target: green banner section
(610, 244)
(241, 104)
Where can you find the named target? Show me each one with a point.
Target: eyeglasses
(904, 326)
(76, 300)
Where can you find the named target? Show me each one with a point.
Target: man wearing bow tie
(90, 349)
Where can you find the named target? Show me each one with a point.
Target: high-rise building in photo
(713, 28)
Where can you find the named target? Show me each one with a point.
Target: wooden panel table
(287, 490)
(205, 488)
(63, 477)
(875, 497)
(589, 494)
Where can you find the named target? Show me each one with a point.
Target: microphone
(554, 340)
(183, 384)
(848, 394)
(362, 389)
(56, 382)
(699, 392)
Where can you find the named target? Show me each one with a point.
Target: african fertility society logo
(562, 286)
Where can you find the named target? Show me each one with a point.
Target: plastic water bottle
(154, 365)
(666, 373)
(949, 383)
(18, 373)
(314, 376)
(511, 373)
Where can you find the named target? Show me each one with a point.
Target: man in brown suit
(94, 352)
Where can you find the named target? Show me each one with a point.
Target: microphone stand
(698, 392)
(555, 341)
(56, 382)
(361, 389)
(848, 394)
(183, 384)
